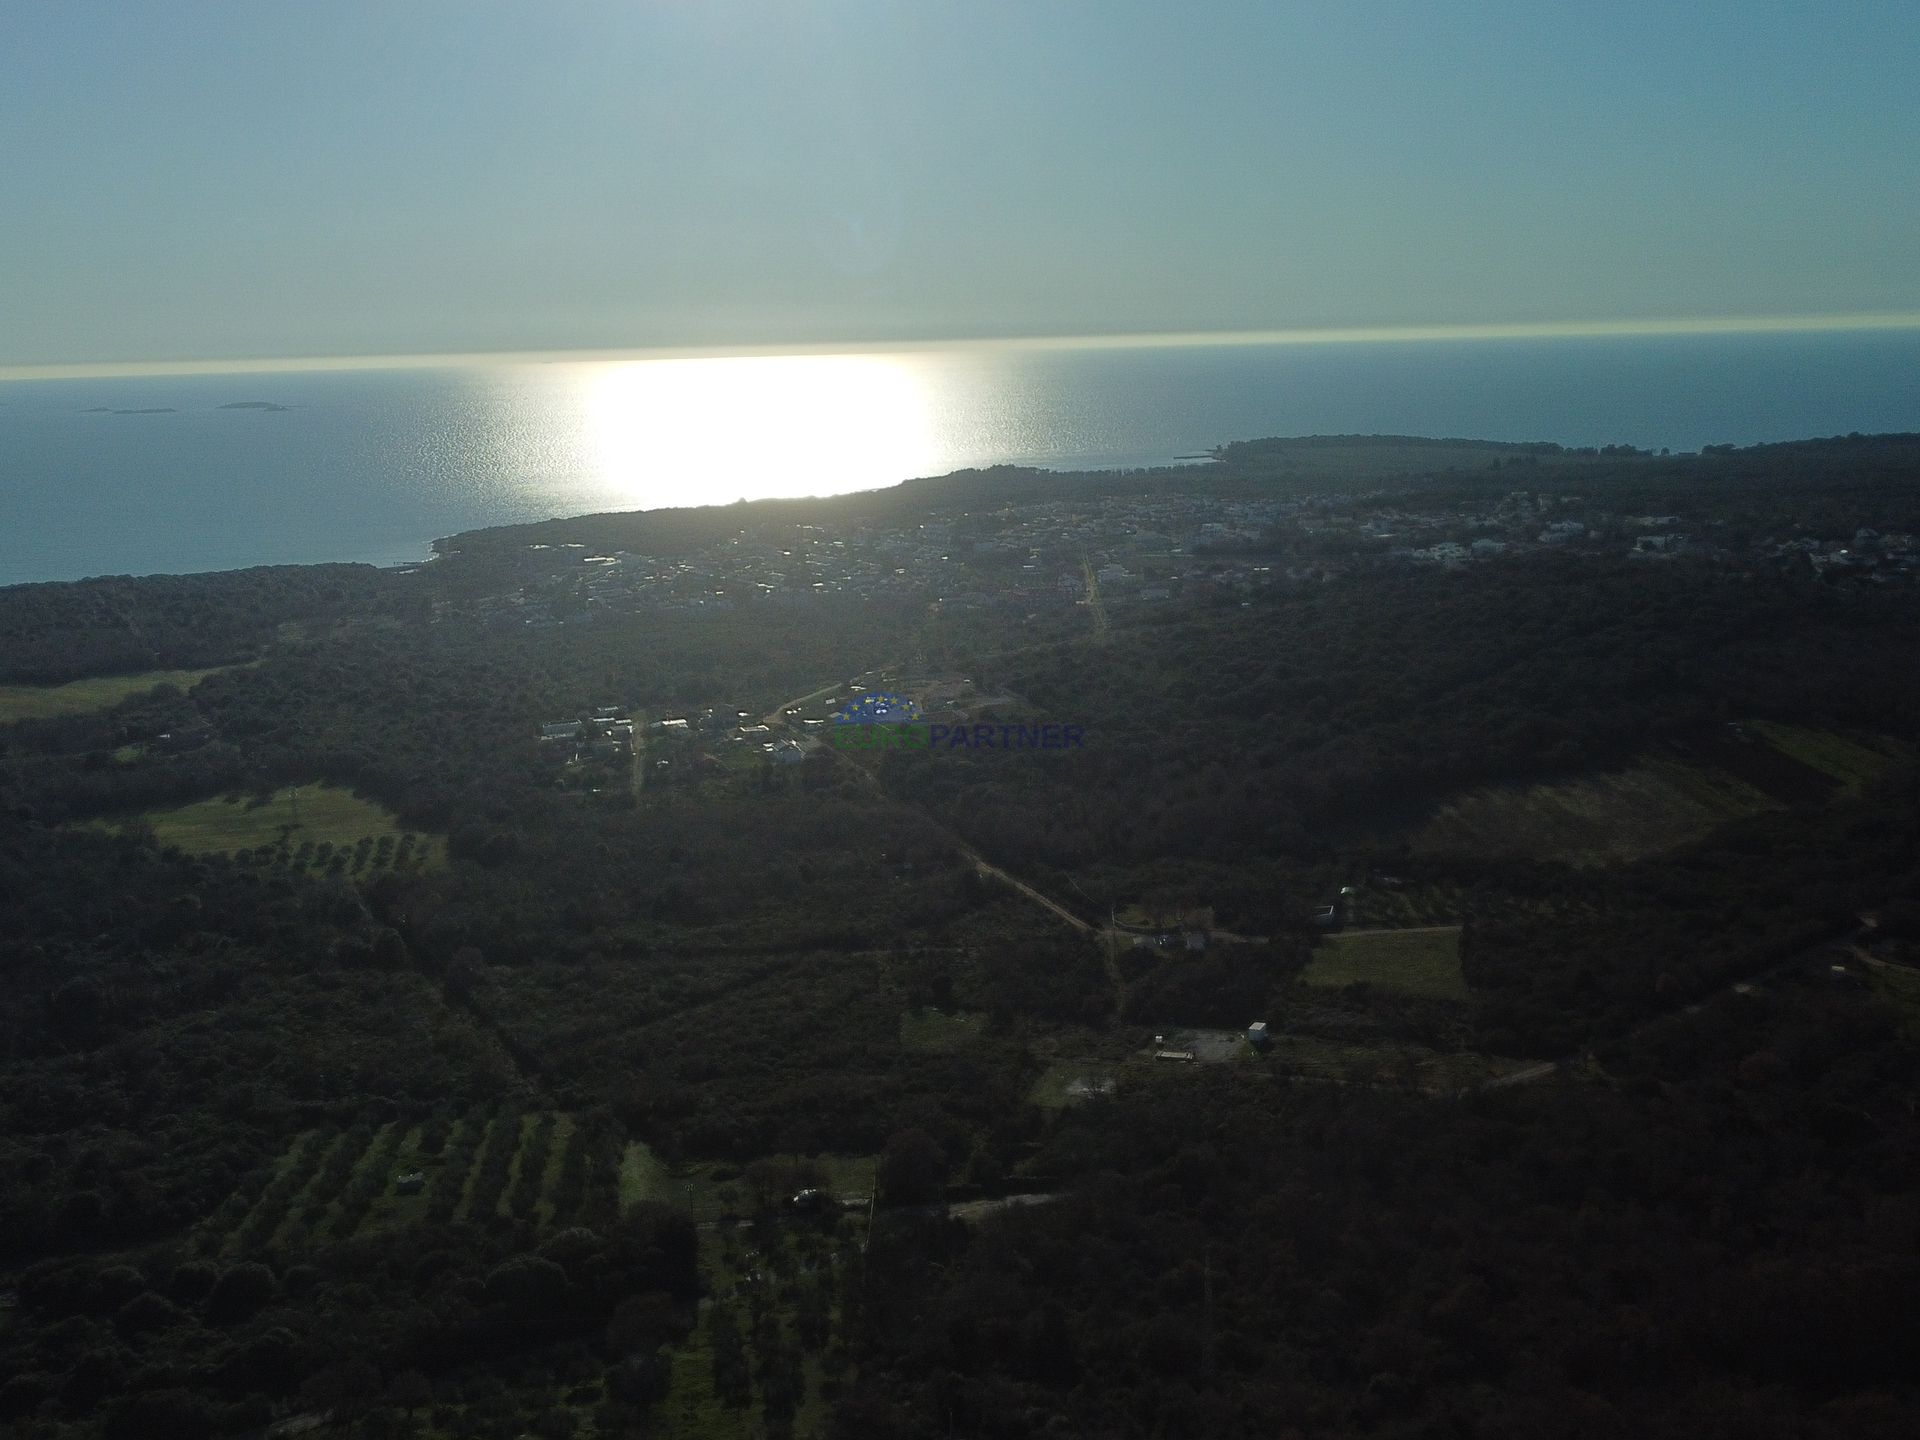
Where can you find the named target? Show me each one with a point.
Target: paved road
(778, 715)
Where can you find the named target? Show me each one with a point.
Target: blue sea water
(143, 475)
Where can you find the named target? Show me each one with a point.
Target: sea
(183, 473)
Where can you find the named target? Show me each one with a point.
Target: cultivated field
(1655, 804)
(1852, 760)
(783, 1286)
(84, 697)
(331, 1184)
(1666, 799)
(1413, 962)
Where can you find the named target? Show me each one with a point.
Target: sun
(707, 432)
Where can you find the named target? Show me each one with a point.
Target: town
(1144, 550)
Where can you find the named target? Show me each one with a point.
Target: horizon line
(1148, 340)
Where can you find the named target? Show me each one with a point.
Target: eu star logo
(877, 707)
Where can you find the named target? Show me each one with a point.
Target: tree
(913, 1168)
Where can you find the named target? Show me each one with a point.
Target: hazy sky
(195, 179)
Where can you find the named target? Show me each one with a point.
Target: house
(1257, 1034)
(1196, 939)
(411, 1184)
(561, 730)
(787, 752)
(1326, 915)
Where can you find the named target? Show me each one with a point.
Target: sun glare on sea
(709, 432)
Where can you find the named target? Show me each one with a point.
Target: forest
(660, 1087)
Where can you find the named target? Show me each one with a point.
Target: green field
(1412, 962)
(84, 697)
(327, 816)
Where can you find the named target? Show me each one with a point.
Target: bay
(163, 474)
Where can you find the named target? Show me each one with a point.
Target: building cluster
(605, 735)
(1139, 549)
(1870, 555)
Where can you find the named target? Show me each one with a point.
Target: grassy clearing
(86, 697)
(328, 816)
(1656, 804)
(1389, 908)
(1413, 962)
(1853, 761)
(691, 1407)
(1051, 1091)
(937, 1033)
(643, 1176)
(713, 1191)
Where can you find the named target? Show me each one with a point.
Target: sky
(192, 180)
